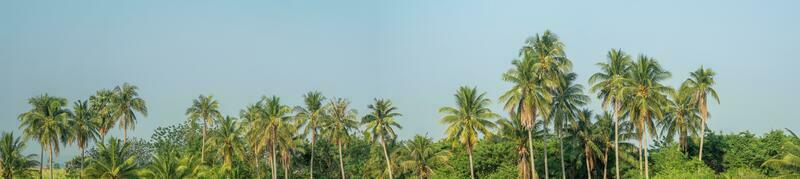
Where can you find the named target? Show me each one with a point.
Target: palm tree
(788, 162)
(609, 85)
(83, 127)
(253, 117)
(125, 104)
(468, 120)
(337, 128)
(12, 162)
(421, 156)
(513, 130)
(288, 145)
(227, 142)
(100, 105)
(647, 100)
(204, 108)
(172, 165)
(311, 114)
(380, 124)
(114, 160)
(681, 118)
(566, 100)
(583, 131)
(702, 84)
(604, 133)
(526, 97)
(277, 126)
(47, 123)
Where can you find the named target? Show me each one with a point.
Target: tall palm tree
(12, 162)
(100, 105)
(380, 124)
(227, 141)
(702, 84)
(253, 117)
(566, 100)
(609, 84)
(114, 160)
(583, 131)
(421, 156)
(125, 104)
(681, 118)
(513, 130)
(648, 99)
(337, 127)
(83, 128)
(46, 122)
(468, 120)
(276, 123)
(312, 113)
(526, 97)
(204, 108)
(288, 146)
(604, 131)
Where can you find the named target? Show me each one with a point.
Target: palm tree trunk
(530, 151)
(83, 159)
(313, 141)
(704, 117)
(388, 162)
(641, 139)
(588, 169)
(274, 162)
(41, 163)
(258, 169)
(605, 163)
(646, 161)
(51, 161)
(286, 170)
(471, 170)
(546, 170)
(616, 137)
(203, 144)
(561, 150)
(341, 160)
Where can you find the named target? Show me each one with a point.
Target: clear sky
(416, 53)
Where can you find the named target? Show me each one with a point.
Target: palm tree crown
(468, 120)
(125, 104)
(380, 124)
(204, 108)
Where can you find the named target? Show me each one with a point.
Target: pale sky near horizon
(416, 53)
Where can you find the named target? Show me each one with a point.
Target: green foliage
(114, 159)
(670, 162)
(12, 162)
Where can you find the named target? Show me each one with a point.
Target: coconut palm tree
(288, 146)
(337, 127)
(83, 127)
(380, 124)
(114, 160)
(47, 122)
(648, 99)
(173, 165)
(681, 118)
(702, 84)
(513, 130)
(100, 105)
(12, 162)
(583, 131)
(609, 84)
(311, 114)
(566, 100)
(604, 131)
(421, 156)
(527, 96)
(468, 120)
(125, 103)
(253, 117)
(204, 108)
(227, 141)
(276, 123)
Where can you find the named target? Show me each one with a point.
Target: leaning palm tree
(311, 114)
(421, 156)
(513, 130)
(12, 162)
(114, 160)
(702, 84)
(468, 120)
(277, 125)
(83, 128)
(337, 127)
(228, 143)
(125, 104)
(566, 100)
(380, 124)
(526, 97)
(204, 108)
(100, 105)
(647, 101)
(681, 118)
(47, 122)
(609, 84)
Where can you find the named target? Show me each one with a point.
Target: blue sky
(416, 53)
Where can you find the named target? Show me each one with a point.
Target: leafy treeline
(548, 132)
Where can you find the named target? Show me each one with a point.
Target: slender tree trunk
(51, 161)
(646, 161)
(605, 163)
(41, 163)
(588, 169)
(704, 117)
(274, 162)
(641, 145)
(83, 159)
(471, 170)
(561, 150)
(286, 170)
(341, 160)
(313, 141)
(546, 169)
(616, 138)
(258, 169)
(388, 161)
(530, 150)
(203, 144)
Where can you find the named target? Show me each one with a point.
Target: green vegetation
(323, 136)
